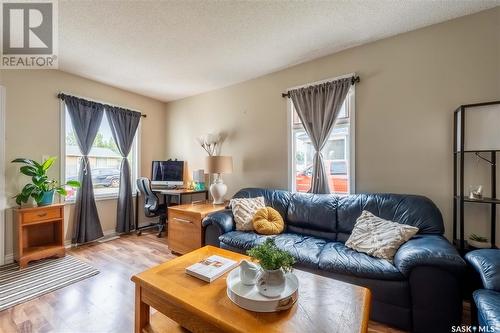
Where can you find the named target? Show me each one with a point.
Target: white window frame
(351, 112)
(62, 159)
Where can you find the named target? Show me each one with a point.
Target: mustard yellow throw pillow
(267, 221)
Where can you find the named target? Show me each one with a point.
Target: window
(104, 160)
(337, 153)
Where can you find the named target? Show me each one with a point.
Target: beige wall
(410, 85)
(33, 128)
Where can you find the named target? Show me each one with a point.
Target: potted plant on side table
(41, 188)
(275, 263)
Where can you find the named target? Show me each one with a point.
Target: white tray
(249, 298)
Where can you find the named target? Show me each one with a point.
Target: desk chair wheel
(161, 228)
(139, 232)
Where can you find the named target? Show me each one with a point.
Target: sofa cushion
(268, 221)
(277, 199)
(378, 237)
(242, 239)
(414, 210)
(305, 249)
(488, 308)
(338, 258)
(313, 215)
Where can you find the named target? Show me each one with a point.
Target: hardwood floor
(102, 303)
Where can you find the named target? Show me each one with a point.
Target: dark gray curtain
(86, 118)
(317, 107)
(124, 125)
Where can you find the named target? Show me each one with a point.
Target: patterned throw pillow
(243, 211)
(378, 237)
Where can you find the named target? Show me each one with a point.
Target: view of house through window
(104, 160)
(336, 153)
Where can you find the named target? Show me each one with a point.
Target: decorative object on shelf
(199, 179)
(248, 272)
(479, 242)
(209, 143)
(41, 189)
(191, 185)
(476, 192)
(219, 165)
(275, 263)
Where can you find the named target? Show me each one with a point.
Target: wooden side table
(185, 232)
(38, 233)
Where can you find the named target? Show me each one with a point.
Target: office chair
(152, 207)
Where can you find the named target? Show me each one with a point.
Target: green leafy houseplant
(40, 185)
(271, 257)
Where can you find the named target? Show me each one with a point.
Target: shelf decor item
(199, 179)
(41, 188)
(218, 165)
(275, 263)
(476, 192)
(479, 242)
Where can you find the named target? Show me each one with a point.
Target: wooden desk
(324, 304)
(185, 232)
(181, 196)
(38, 233)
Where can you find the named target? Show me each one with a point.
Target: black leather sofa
(487, 299)
(419, 291)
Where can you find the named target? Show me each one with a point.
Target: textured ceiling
(172, 49)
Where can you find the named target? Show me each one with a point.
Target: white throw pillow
(244, 210)
(378, 237)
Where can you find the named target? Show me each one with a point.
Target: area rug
(40, 277)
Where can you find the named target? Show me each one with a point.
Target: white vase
(218, 189)
(271, 283)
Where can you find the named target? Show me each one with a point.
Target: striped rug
(40, 277)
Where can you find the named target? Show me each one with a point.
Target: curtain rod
(354, 80)
(61, 97)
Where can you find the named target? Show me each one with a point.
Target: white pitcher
(248, 272)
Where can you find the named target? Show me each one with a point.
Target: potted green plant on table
(41, 188)
(274, 263)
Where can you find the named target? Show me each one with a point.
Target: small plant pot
(47, 199)
(271, 283)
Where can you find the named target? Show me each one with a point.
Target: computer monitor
(169, 173)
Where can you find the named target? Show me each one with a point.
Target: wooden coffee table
(324, 304)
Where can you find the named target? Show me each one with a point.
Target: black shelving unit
(460, 198)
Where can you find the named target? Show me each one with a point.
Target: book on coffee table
(211, 268)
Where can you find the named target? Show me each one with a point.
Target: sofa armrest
(217, 224)
(428, 250)
(487, 263)
(222, 219)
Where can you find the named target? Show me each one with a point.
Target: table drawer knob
(42, 214)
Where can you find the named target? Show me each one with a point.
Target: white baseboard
(8, 259)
